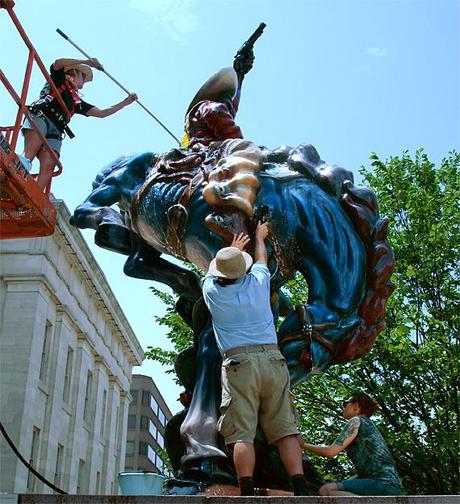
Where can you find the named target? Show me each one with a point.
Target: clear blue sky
(350, 77)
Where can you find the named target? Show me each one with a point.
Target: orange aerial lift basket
(25, 209)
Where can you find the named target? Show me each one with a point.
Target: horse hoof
(214, 469)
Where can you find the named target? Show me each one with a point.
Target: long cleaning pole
(63, 35)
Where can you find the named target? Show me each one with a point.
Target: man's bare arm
(260, 252)
(345, 438)
(101, 113)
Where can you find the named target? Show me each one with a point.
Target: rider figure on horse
(210, 129)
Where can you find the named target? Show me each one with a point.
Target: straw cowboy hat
(84, 69)
(219, 87)
(231, 263)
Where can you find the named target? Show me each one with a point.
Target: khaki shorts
(255, 389)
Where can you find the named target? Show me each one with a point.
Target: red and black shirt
(210, 121)
(50, 106)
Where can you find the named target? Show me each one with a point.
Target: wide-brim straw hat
(84, 69)
(231, 263)
(220, 86)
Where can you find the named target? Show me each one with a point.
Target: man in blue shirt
(255, 379)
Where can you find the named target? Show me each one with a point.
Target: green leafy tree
(413, 369)
(179, 333)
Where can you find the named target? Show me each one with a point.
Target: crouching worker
(69, 77)
(255, 379)
(366, 448)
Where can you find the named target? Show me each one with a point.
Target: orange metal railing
(25, 209)
(11, 133)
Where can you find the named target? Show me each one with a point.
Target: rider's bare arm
(345, 438)
(260, 253)
(242, 65)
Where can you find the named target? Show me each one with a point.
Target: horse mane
(109, 169)
(361, 207)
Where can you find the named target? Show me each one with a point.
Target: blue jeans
(369, 487)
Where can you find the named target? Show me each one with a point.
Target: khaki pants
(255, 389)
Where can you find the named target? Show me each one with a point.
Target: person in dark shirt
(69, 76)
(366, 448)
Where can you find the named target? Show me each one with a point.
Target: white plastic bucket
(146, 483)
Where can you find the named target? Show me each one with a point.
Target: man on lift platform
(69, 77)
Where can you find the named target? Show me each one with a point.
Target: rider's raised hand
(240, 241)
(244, 61)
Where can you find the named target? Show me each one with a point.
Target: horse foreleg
(96, 208)
(309, 337)
(145, 262)
(199, 430)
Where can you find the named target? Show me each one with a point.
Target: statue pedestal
(205, 499)
(233, 491)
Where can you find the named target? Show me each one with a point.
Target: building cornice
(94, 278)
(38, 279)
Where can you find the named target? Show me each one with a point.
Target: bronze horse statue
(322, 227)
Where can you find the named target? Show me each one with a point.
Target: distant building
(147, 416)
(66, 358)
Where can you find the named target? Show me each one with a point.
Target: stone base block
(203, 499)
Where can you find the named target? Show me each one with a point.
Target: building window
(45, 351)
(142, 448)
(129, 448)
(117, 465)
(131, 421)
(103, 413)
(153, 429)
(68, 375)
(135, 395)
(33, 461)
(98, 482)
(159, 463)
(117, 429)
(160, 440)
(154, 405)
(81, 477)
(88, 394)
(162, 418)
(151, 454)
(144, 422)
(145, 398)
(58, 469)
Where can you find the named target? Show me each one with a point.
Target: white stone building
(66, 358)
